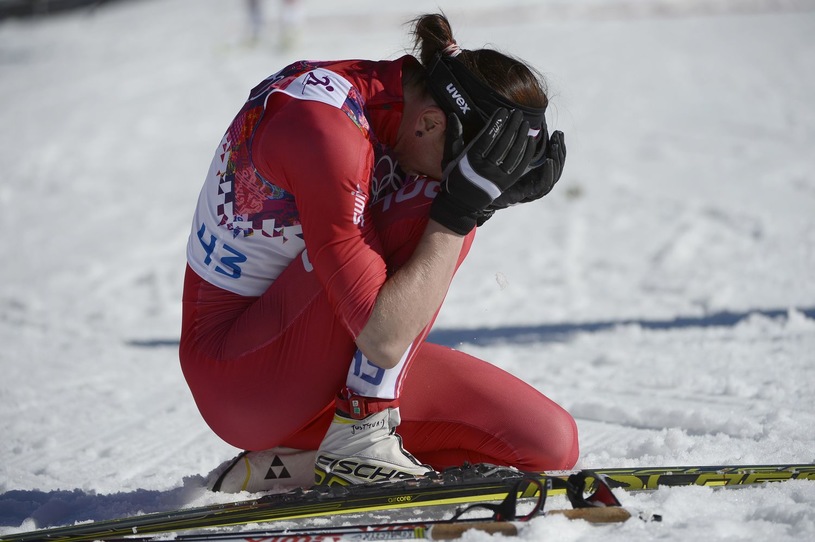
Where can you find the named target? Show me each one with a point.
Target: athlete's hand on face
(475, 175)
(537, 182)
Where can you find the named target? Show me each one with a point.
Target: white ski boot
(266, 470)
(361, 445)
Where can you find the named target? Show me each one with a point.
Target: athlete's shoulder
(335, 82)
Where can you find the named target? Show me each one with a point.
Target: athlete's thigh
(458, 408)
(273, 366)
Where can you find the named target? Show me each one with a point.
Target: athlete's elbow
(383, 353)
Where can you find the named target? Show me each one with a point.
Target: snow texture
(663, 293)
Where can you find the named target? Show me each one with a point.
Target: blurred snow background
(664, 293)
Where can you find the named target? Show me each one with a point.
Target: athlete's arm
(409, 299)
(496, 159)
(327, 167)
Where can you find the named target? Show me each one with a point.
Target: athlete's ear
(432, 121)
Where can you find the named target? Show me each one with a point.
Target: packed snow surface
(664, 293)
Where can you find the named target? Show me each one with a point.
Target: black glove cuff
(483, 216)
(451, 214)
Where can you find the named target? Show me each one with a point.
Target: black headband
(457, 90)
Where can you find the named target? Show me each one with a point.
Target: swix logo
(495, 129)
(462, 103)
(312, 79)
(360, 198)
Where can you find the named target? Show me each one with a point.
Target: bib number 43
(227, 259)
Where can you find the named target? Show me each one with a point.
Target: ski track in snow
(663, 293)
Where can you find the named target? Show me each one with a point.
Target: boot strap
(358, 407)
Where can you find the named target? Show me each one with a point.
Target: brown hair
(508, 76)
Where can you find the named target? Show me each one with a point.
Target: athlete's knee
(554, 445)
(566, 448)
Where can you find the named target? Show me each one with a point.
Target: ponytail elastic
(452, 49)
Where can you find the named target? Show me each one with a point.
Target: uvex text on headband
(457, 90)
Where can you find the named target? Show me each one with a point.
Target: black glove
(534, 184)
(475, 176)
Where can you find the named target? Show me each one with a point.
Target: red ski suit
(302, 218)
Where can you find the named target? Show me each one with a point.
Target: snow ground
(663, 293)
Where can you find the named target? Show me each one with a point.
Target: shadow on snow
(541, 333)
(65, 507)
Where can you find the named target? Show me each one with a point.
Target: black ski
(469, 484)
